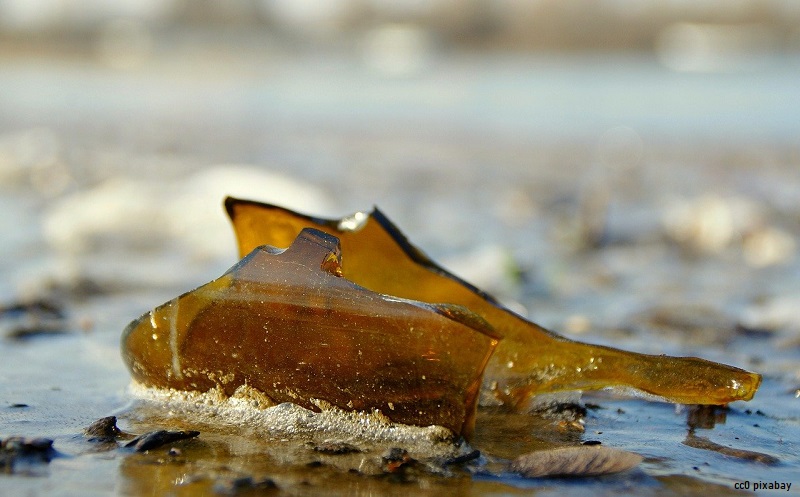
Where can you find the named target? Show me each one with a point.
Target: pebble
(147, 214)
(710, 223)
(103, 430)
(158, 438)
(591, 460)
(15, 449)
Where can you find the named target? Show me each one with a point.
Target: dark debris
(336, 448)
(232, 486)
(103, 430)
(704, 443)
(563, 411)
(40, 307)
(23, 320)
(14, 449)
(687, 323)
(396, 459)
(158, 438)
(470, 456)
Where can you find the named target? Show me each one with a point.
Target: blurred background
(535, 127)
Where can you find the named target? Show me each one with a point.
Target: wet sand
(613, 201)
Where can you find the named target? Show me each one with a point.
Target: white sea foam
(249, 412)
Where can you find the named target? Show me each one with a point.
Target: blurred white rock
(716, 47)
(33, 158)
(398, 50)
(195, 214)
(120, 212)
(768, 246)
(143, 214)
(710, 223)
(312, 18)
(781, 313)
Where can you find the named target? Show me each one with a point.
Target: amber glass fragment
(287, 323)
(530, 359)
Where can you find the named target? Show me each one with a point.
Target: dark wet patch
(44, 308)
(704, 443)
(40, 317)
(562, 411)
(754, 332)
(687, 323)
(243, 484)
(78, 288)
(25, 332)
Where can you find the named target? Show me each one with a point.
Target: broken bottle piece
(286, 323)
(530, 359)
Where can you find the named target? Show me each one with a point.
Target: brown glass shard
(287, 324)
(530, 359)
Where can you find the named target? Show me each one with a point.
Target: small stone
(103, 430)
(14, 448)
(575, 461)
(155, 439)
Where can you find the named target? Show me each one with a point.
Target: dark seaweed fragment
(158, 438)
(336, 448)
(470, 456)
